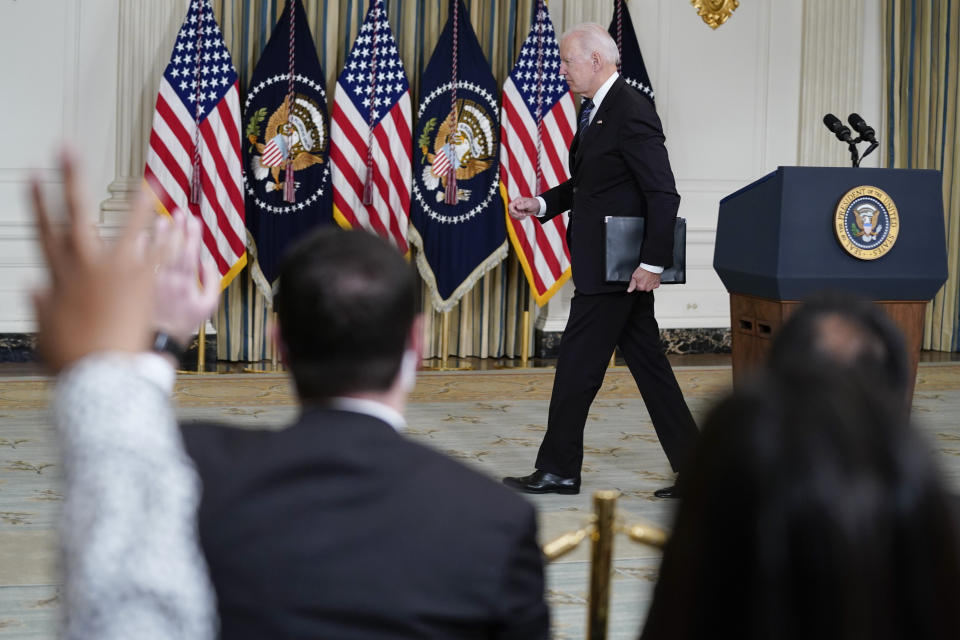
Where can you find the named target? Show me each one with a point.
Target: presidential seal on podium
(866, 222)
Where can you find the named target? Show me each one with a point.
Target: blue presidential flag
(286, 146)
(457, 214)
(631, 60)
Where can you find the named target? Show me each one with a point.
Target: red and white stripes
(170, 168)
(541, 248)
(390, 154)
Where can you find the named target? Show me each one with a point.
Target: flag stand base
(201, 354)
(444, 348)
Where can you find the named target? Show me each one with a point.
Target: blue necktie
(585, 111)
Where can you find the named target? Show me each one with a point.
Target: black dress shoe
(544, 482)
(667, 492)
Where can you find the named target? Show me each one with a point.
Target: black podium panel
(776, 239)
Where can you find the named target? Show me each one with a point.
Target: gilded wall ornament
(715, 12)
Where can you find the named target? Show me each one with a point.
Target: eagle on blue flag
(632, 69)
(457, 214)
(286, 147)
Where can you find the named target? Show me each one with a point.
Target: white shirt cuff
(652, 268)
(543, 206)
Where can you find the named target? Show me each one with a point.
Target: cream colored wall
(730, 101)
(57, 81)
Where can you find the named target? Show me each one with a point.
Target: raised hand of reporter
(100, 297)
(181, 303)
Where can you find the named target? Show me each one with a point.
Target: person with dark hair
(846, 330)
(338, 526)
(348, 321)
(810, 509)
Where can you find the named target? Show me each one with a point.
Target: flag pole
(201, 346)
(444, 338)
(525, 338)
(445, 347)
(271, 351)
(525, 321)
(273, 343)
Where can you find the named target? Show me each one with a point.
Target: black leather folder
(623, 237)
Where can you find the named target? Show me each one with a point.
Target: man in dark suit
(619, 167)
(338, 526)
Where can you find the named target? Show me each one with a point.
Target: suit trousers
(597, 324)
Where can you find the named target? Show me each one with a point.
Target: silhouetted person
(841, 329)
(811, 510)
(338, 526)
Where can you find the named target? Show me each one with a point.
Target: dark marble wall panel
(21, 347)
(18, 347)
(675, 341)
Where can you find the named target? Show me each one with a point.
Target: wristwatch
(164, 343)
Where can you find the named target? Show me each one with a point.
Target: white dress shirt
(371, 408)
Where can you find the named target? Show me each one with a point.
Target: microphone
(838, 128)
(866, 131)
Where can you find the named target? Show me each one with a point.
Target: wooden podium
(776, 245)
(754, 321)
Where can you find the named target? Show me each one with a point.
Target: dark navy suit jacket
(618, 167)
(339, 527)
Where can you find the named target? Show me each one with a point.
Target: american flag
(538, 123)
(370, 135)
(195, 141)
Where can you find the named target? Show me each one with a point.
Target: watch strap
(164, 343)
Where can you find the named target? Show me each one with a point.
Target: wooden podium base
(755, 321)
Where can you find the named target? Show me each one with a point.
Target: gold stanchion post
(601, 561)
(603, 526)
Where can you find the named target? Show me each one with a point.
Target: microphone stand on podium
(843, 134)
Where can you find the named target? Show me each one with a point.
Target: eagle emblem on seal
(295, 133)
(465, 141)
(866, 217)
(866, 222)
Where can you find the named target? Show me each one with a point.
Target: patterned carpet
(491, 420)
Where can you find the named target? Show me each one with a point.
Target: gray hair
(594, 37)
